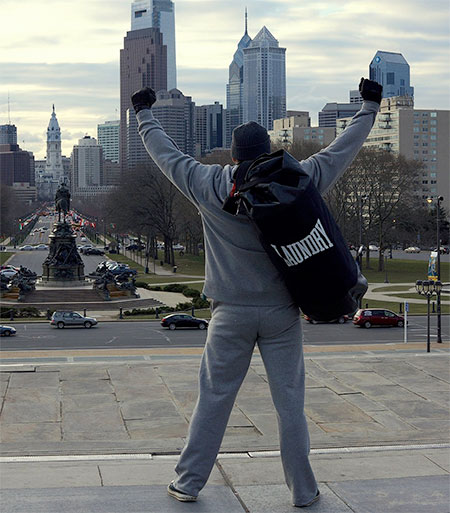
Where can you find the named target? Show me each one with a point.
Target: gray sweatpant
(232, 335)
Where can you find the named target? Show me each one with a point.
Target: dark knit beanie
(249, 141)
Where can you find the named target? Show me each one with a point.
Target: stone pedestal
(63, 264)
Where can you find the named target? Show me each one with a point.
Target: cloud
(67, 53)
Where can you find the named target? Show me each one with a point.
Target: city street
(146, 334)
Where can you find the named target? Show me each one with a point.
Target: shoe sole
(310, 503)
(182, 497)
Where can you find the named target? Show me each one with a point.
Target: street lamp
(428, 288)
(361, 199)
(438, 236)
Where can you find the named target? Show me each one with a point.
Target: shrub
(175, 287)
(191, 292)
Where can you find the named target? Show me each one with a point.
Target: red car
(368, 317)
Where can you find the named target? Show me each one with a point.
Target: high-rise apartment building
(417, 134)
(158, 14)
(176, 113)
(143, 63)
(87, 165)
(235, 108)
(209, 127)
(108, 138)
(8, 134)
(264, 84)
(391, 70)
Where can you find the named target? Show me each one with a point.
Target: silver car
(60, 319)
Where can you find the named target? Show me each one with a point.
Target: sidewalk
(379, 426)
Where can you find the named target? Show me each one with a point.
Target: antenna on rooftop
(246, 20)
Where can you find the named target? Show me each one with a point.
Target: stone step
(62, 295)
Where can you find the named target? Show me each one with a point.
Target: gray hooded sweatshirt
(238, 270)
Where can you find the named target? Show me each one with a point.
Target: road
(34, 259)
(142, 334)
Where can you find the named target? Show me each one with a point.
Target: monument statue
(62, 201)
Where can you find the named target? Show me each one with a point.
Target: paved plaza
(104, 436)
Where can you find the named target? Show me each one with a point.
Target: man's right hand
(370, 90)
(143, 99)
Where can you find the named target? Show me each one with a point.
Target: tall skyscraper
(391, 70)
(108, 138)
(143, 62)
(176, 113)
(209, 127)
(264, 84)
(8, 134)
(234, 110)
(158, 14)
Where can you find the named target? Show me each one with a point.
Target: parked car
(372, 247)
(93, 251)
(340, 320)
(27, 247)
(174, 321)
(178, 247)
(412, 249)
(135, 247)
(368, 317)
(9, 273)
(41, 246)
(442, 250)
(83, 239)
(60, 319)
(7, 331)
(2, 247)
(84, 247)
(122, 268)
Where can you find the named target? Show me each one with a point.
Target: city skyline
(68, 55)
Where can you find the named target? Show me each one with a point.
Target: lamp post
(361, 199)
(438, 237)
(428, 288)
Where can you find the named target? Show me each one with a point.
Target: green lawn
(4, 257)
(402, 271)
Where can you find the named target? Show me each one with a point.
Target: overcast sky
(67, 53)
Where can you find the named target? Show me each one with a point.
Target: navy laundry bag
(299, 234)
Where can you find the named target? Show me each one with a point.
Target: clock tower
(54, 164)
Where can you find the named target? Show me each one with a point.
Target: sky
(66, 53)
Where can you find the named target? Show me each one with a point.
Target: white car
(9, 273)
(373, 247)
(27, 247)
(412, 249)
(178, 247)
(41, 246)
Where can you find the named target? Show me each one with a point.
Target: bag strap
(231, 202)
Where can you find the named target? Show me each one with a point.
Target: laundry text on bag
(316, 242)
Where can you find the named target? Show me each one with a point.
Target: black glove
(370, 90)
(143, 99)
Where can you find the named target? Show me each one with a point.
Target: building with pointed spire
(264, 81)
(234, 109)
(158, 14)
(54, 165)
